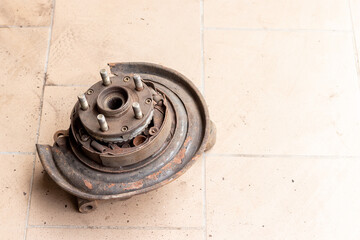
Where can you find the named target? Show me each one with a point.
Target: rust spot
(187, 140)
(168, 166)
(181, 154)
(111, 185)
(196, 157)
(154, 176)
(134, 185)
(56, 150)
(179, 157)
(88, 184)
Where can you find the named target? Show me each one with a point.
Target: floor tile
(22, 60)
(84, 41)
(15, 178)
(29, 13)
(283, 14)
(178, 204)
(111, 234)
(282, 198)
(283, 92)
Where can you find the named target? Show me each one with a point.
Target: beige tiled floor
(15, 178)
(123, 31)
(287, 92)
(283, 198)
(22, 57)
(23, 14)
(111, 234)
(281, 79)
(278, 14)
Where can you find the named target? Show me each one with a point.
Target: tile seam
(67, 85)
(17, 153)
(21, 26)
(202, 86)
(40, 115)
(204, 196)
(276, 29)
(114, 227)
(281, 156)
(356, 53)
(202, 89)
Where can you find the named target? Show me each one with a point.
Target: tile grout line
(202, 60)
(276, 29)
(20, 26)
(17, 153)
(218, 28)
(202, 89)
(114, 227)
(204, 195)
(357, 64)
(280, 156)
(67, 85)
(40, 114)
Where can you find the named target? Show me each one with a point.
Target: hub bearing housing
(130, 133)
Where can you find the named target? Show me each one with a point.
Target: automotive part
(130, 133)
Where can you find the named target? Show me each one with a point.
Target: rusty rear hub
(129, 134)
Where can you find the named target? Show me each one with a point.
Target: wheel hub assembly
(130, 133)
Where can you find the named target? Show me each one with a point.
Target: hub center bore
(113, 101)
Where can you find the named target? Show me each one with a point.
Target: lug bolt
(84, 105)
(105, 77)
(137, 110)
(102, 122)
(138, 82)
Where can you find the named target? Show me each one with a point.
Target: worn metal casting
(130, 133)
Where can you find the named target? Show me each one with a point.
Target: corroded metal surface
(120, 162)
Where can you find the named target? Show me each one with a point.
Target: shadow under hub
(130, 133)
